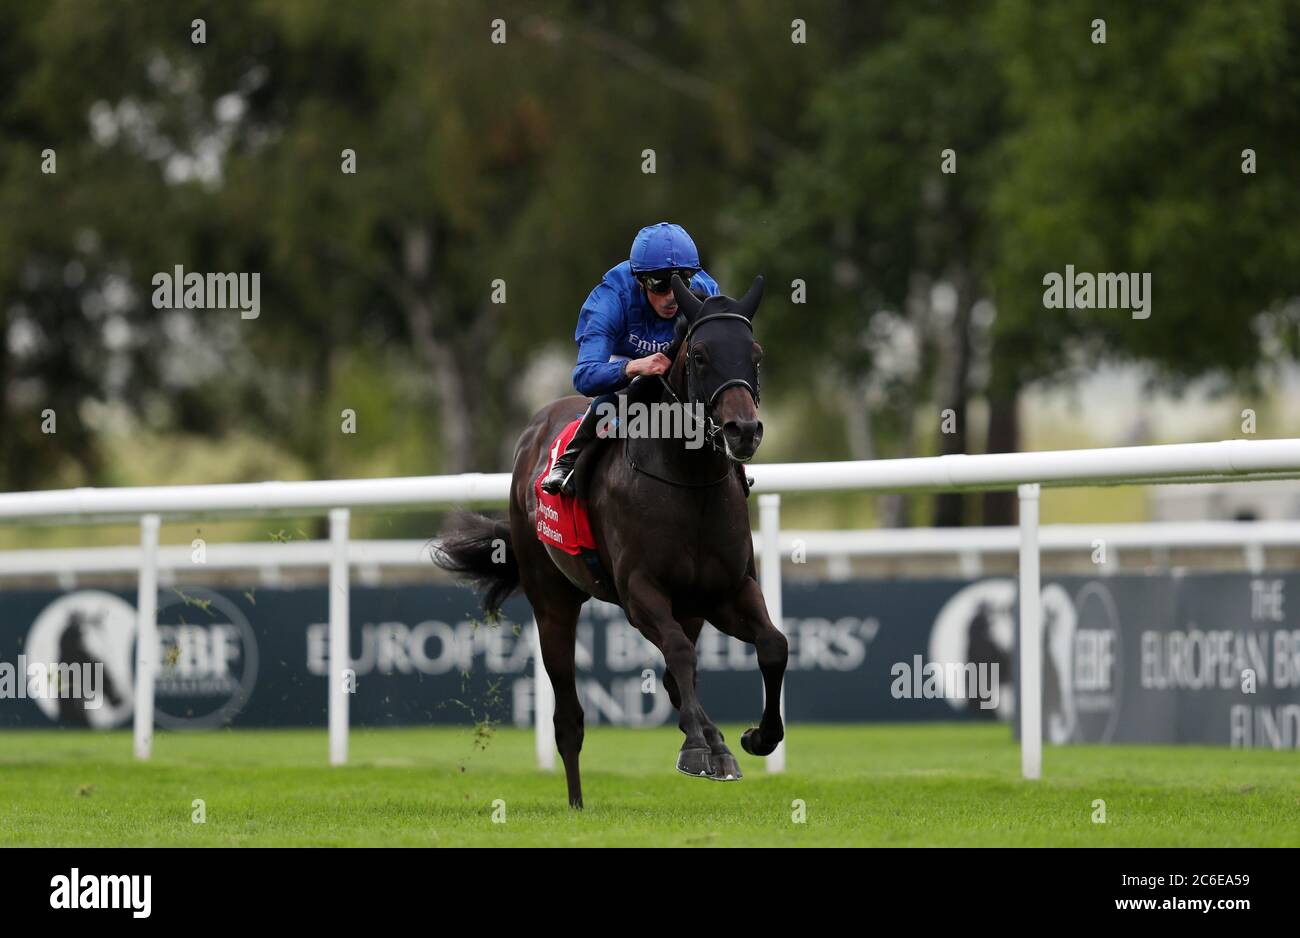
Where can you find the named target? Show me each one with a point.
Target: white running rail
(371, 556)
(1229, 460)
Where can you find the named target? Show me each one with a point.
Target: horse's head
(717, 363)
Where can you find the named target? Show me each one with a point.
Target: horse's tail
(478, 549)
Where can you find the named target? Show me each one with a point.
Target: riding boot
(560, 478)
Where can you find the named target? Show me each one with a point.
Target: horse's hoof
(695, 762)
(752, 742)
(725, 768)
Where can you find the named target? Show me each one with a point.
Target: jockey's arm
(595, 373)
(656, 364)
(594, 376)
(601, 325)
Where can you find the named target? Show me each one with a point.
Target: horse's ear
(753, 296)
(689, 303)
(679, 336)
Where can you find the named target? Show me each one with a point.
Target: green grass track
(883, 785)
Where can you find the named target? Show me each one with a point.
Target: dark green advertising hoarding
(1211, 658)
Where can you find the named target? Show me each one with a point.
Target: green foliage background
(521, 162)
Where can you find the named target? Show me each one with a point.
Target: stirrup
(555, 484)
(567, 487)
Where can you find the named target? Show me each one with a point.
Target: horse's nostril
(743, 434)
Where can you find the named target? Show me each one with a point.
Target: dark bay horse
(672, 527)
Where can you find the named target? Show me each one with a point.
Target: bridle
(711, 430)
(753, 390)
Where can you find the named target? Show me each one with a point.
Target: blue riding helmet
(661, 247)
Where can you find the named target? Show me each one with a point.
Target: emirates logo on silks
(648, 345)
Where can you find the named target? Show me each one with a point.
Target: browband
(686, 341)
(703, 319)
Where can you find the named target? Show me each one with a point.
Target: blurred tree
(884, 221)
(91, 94)
(484, 166)
(483, 169)
(1124, 156)
(1127, 157)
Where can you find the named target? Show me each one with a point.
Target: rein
(627, 451)
(711, 429)
(710, 436)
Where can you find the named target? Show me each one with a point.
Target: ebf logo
(207, 656)
(207, 660)
(1098, 663)
(979, 624)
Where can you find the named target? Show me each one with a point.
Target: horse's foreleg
(746, 619)
(692, 627)
(650, 611)
(725, 766)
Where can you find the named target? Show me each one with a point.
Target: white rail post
(1029, 695)
(339, 639)
(1255, 562)
(769, 575)
(543, 705)
(146, 636)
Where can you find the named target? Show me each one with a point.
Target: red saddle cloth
(562, 521)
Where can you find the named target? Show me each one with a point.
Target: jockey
(625, 327)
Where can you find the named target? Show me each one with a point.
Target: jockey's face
(665, 304)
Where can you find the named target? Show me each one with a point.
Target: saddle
(562, 521)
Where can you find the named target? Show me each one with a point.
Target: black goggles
(661, 281)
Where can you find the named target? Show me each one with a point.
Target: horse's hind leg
(557, 628)
(556, 603)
